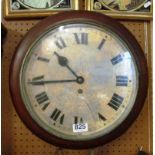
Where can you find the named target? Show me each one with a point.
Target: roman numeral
(121, 81)
(43, 59)
(38, 78)
(57, 116)
(42, 98)
(101, 117)
(101, 44)
(116, 59)
(60, 43)
(81, 38)
(78, 120)
(116, 101)
(45, 106)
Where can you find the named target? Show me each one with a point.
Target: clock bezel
(43, 26)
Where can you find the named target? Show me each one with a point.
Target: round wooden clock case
(78, 79)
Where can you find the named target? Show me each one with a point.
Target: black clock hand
(63, 61)
(79, 80)
(50, 81)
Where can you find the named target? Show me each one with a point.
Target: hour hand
(63, 61)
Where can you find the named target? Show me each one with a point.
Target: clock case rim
(43, 26)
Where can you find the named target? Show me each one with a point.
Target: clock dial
(78, 79)
(121, 5)
(41, 4)
(70, 75)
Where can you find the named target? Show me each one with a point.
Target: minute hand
(51, 82)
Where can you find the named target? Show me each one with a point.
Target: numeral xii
(81, 38)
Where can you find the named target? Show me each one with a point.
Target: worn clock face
(122, 5)
(41, 4)
(79, 74)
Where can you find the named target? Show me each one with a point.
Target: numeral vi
(78, 120)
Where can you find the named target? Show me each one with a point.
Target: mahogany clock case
(79, 16)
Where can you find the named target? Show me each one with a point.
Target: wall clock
(78, 79)
(132, 9)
